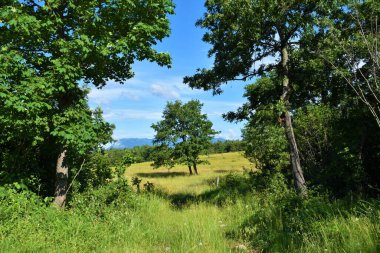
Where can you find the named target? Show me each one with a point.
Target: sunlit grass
(177, 179)
(148, 222)
(153, 226)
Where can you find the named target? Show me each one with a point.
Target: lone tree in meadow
(182, 135)
(47, 47)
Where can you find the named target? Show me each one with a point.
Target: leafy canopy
(48, 49)
(244, 33)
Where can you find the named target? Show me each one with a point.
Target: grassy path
(201, 227)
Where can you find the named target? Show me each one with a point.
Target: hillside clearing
(178, 180)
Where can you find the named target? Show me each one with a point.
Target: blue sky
(139, 102)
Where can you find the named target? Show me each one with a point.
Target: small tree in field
(182, 135)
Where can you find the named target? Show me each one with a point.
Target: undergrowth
(235, 216)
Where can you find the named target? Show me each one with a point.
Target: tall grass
(282, 221)
(233, 217)
(145, 223)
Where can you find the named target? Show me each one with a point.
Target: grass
(115, 219)
(177, 180)
(149, 225)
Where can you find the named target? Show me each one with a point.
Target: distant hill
(134, 142)
(217, 139)
(131, 142)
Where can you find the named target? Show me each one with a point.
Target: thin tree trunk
(61, 181)
(195, 168)
(191, 172)
(299, 180)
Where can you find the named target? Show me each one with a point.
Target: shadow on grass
(230, 189)
(162, 174)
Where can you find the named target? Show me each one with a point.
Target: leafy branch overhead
(47, 49)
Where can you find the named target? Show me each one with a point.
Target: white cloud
(120, 114)
(172, 88)
(230, 134)
(165, 91)
(137, 89)
(106, 96)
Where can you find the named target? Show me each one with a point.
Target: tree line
(144, 153)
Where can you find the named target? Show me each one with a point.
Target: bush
(95, 171)
(116, 194)
(286, 222)
(17, 202)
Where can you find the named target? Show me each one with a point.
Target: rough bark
(195, 168)
(299, 180)
(190, 171)
(61, 181)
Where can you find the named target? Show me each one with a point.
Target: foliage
(351, 49)
(244, 33)
(283, 222)
(225, 146)
(333, 128)
(96, 171)
(182, 135)
(336, 156)
(47, 49)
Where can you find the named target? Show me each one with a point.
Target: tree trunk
(61, 181)
(195, 168)
(299, 180)
(191, 172)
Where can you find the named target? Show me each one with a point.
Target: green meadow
(189, 214)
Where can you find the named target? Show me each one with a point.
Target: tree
(336, 136)
(52, 45)
(182, 135)
(244, 33)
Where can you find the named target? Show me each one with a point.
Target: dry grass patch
(177, 179)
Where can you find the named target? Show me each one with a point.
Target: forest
(305, 176)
